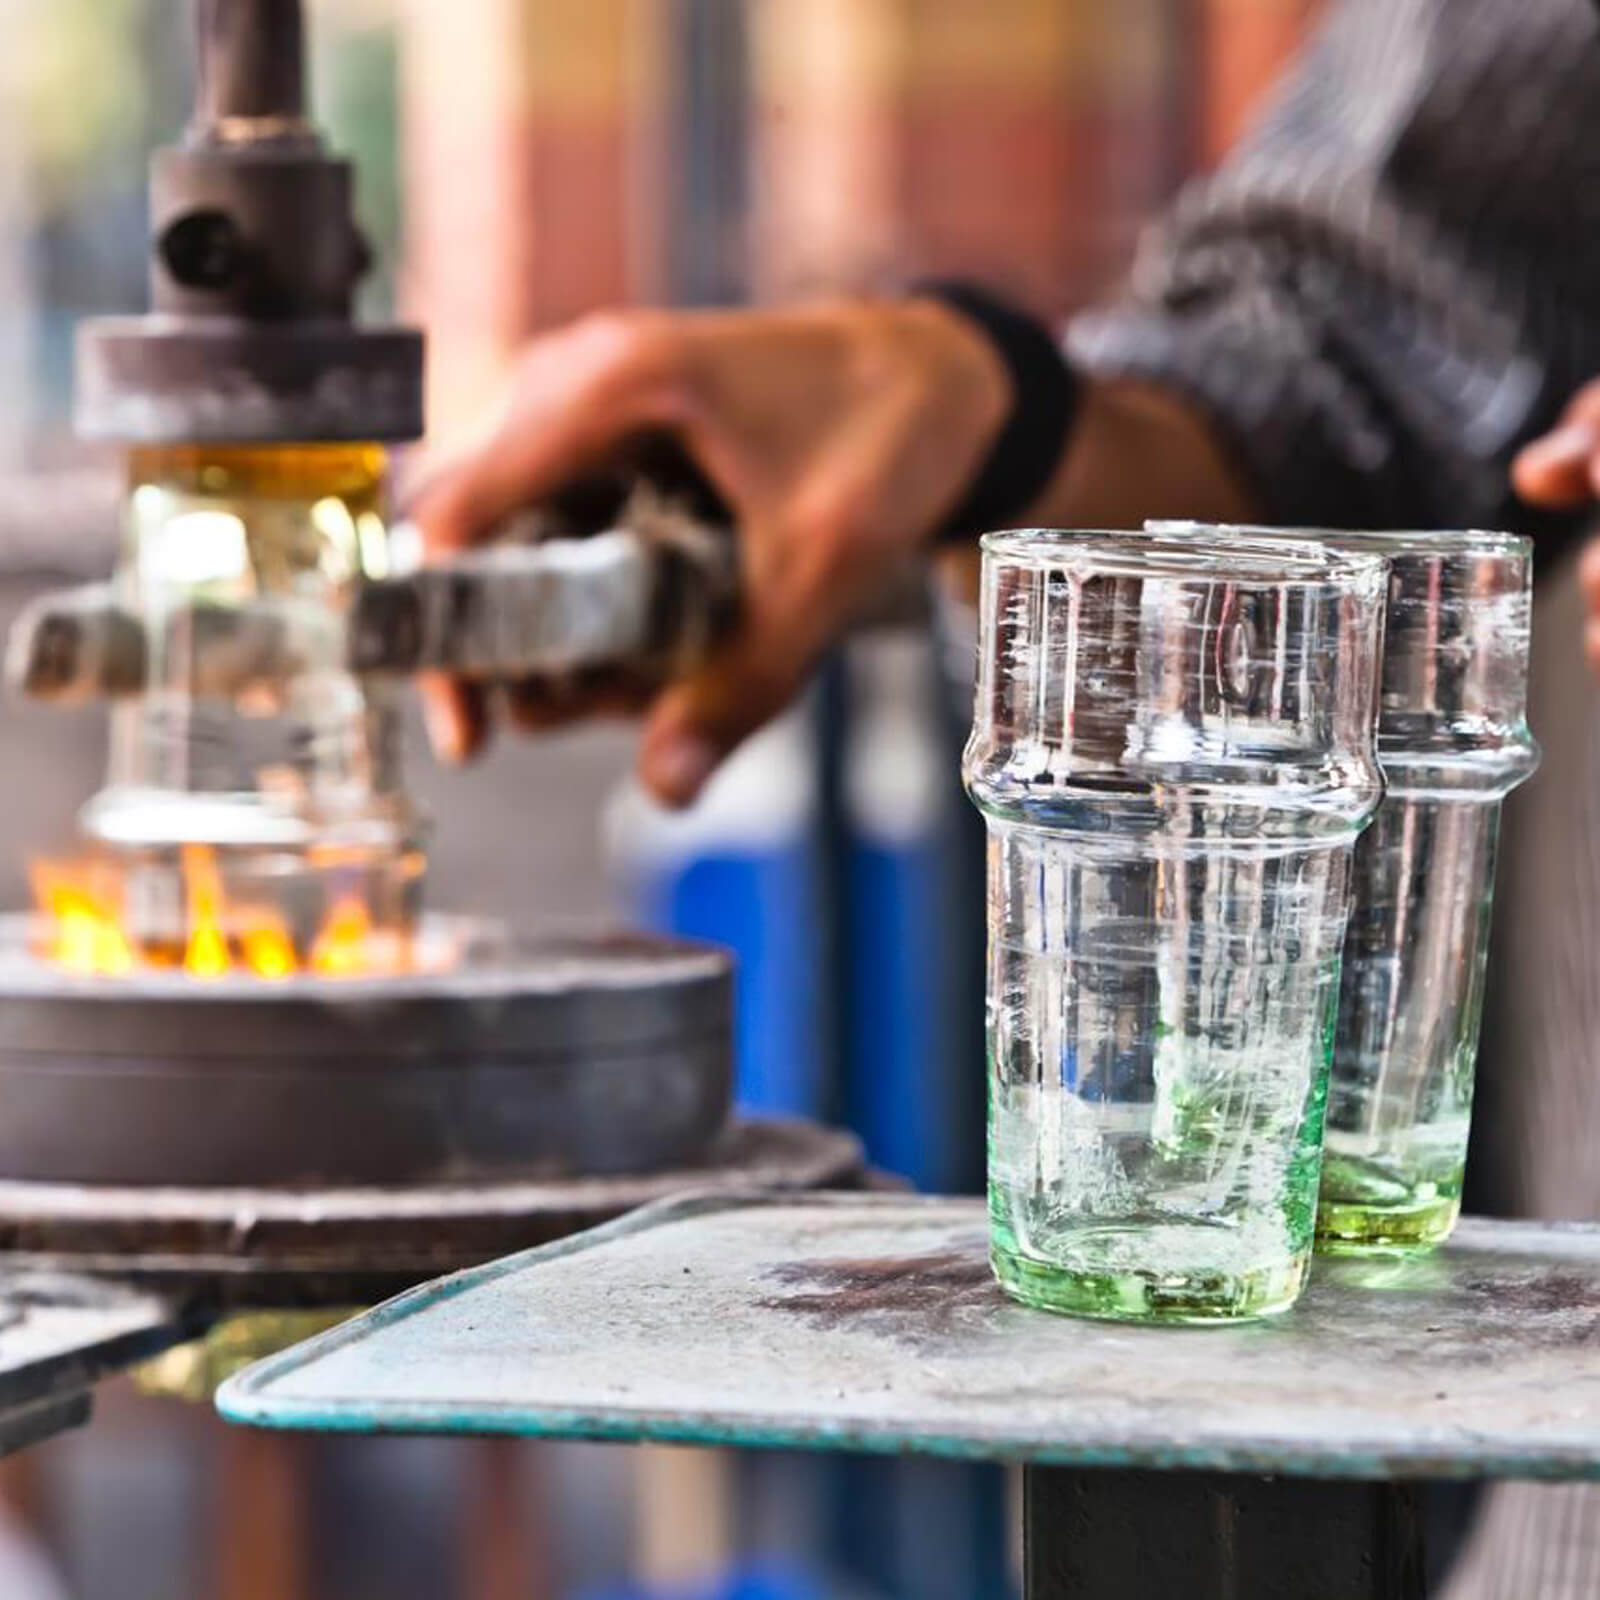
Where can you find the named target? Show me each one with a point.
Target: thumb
(698, 722)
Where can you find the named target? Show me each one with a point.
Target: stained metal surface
(352, 1246)
(871, 1323)
(62, 1332)
(538, 1060)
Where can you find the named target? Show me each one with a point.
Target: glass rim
(1150, 553)
(1391, 541)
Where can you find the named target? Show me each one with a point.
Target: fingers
(698, 723)
(536, 706)
(702, 719)
(460, 716)
(576, 396)
(1589, 575)
(456, 715)
(1561, 471)
(542, 703)
(1589, 588)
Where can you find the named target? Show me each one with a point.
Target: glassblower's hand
(1561, 472)
(839, 435)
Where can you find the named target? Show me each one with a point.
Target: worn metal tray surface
(871, 1323)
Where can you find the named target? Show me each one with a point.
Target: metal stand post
(1108, 1535)
(38, 1420)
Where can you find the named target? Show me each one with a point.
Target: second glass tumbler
(1453, 741)
(1173, 750)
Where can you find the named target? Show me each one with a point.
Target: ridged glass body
(1173, 751)
(292, 788)
(1453, 741)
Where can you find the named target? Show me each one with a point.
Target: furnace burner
(517, 1058)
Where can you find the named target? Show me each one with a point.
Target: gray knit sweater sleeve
(1395, 280)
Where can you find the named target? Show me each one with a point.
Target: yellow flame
(341, 944)
(84, 932)
(82, 927)
(267, 948)
(206, 954)
(87, 940)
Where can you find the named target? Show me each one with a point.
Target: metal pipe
(251, 69)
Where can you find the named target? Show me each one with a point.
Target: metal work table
(848, 1322)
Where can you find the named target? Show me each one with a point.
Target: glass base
(1354, 1228)
(1372, 1207)
(1143, 1295)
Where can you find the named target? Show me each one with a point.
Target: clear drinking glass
(1453, 741)
(1173, 750)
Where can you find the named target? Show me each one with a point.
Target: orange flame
(206, 954)
(84, 930)
(341, 946)
(267, 949)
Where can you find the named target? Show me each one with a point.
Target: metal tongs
(638, 573)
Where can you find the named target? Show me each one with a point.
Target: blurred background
(520, 162)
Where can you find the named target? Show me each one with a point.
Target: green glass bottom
(1352, 1228)
(1365, 1207)
(1142, 1295)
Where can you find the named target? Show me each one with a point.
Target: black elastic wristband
(1044, 404)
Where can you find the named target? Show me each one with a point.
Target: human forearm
(1139, 451)
(1135, 451)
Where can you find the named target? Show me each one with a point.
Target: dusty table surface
(849, 1322)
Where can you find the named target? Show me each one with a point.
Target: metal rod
(251, 65)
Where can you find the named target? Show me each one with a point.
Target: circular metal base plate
(346, 1246)
(166, 379)
(525, 1060)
